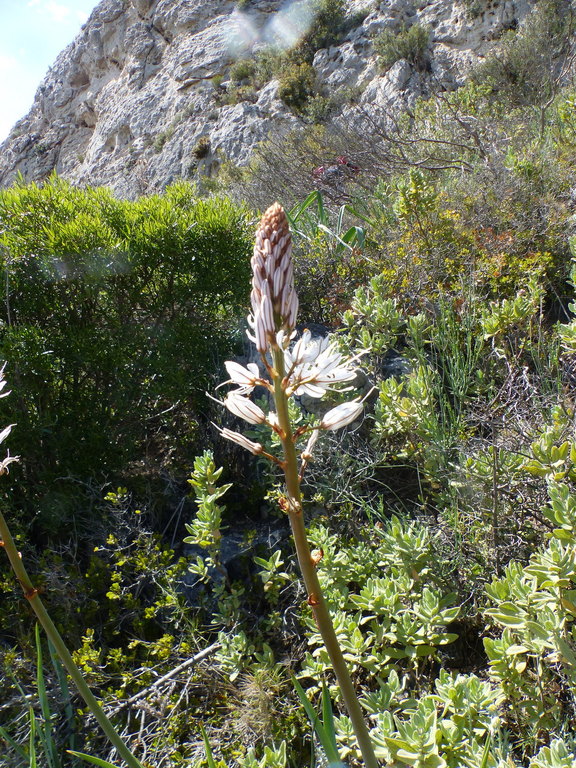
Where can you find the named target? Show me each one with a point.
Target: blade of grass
(16, 747)
(91, 759)
(322, 215)
(328, 724)
(45, 733)
(297, 210)
(32, 742)
(208, 748)
(486, 751)
(325, 731)
(65, 689)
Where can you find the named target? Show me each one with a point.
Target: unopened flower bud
(343, 414)
(273, 298)
(306, 454)
(244, 408)
(244, 442)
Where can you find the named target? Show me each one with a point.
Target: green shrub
(243, 69)
(297, 85)
(201, 148)
(113, 317)
(328, 23)
(524, 66)
(410, 43)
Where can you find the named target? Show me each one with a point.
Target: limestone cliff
(135, 101)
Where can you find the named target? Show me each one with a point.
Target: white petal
(343, 414)
(5, 432)
(311, 390)
(340, 374)
(244, 408)
(240, 375)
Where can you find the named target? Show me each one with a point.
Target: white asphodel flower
(244, 442)
(343, 414)
(315, 366)
(311, 366)
(245, 378)
(4, 464)
(245, 409)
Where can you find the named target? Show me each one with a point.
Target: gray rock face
(125, 104)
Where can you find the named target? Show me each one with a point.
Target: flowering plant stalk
(33, 597)
(305, 367)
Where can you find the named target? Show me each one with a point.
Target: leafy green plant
(398, 616)
(523, 69)
(205, 530)
(296, 85)
(535, 606)
(108, 312)
(409, 43)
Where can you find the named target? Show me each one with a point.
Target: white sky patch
(15, 89)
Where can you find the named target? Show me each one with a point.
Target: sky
(32, 34)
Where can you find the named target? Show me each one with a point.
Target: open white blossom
(245, 378)
(314, 366)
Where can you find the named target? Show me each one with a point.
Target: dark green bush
(296, 87)
(410, 43)
(115, 315)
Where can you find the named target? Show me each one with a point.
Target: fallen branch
(165, 678)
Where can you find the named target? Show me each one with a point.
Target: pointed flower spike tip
(274, 300)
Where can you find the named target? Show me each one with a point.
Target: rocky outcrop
(135, 102)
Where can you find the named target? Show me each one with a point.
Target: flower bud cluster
(310, 367)
(273, 298)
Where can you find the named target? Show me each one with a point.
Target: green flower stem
(55, 638)
(308, 568)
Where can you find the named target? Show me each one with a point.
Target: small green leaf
(91, 759)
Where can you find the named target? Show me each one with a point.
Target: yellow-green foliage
(112, 315)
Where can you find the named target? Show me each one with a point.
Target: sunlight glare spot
(290, 24)
(283, 31)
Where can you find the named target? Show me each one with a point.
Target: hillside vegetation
(447, 517)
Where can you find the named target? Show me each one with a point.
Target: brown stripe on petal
(272, 268)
